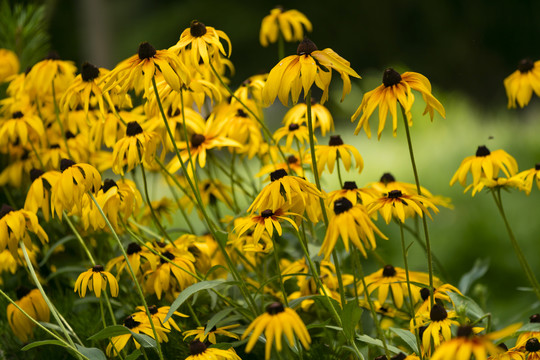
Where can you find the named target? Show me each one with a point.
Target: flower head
(522, 82)
(32, 302)
(310, 66)
(39, 194)
(15, 226)
(327, 155)
(322, 118)
(9, 64)
(395, 88)
(529, 176)
(96, 279)
(274, 322)
(201, 334)
(266, 220)
(136, 147)
(200, 351)
(289, 23)
(402, 206)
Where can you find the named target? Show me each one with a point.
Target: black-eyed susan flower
(522, 82)
(497, 183)
(274, 322)
(486, 164)
(32, 302)
(137, 71)
(327, 155)
(351, 192)
(134, 253)
(15, 226)
(158, 316)
(266, 220)
(294, 163)
(529, 176)
(74, 182)
(394, 280)
(96, 279)
(9, 64)
(242, 127)
(466, 344)
(321, 117)
(202, 335)
(350, 223)
(508, 354)
(292, 132)
(251, 88)
(39, 193)
(204, 42)
(48, 73)
(163, 208)
(119, 342)
(530, 349)
(200, 351)
(174, 275)
(395, 88)
(522, 338)
(440, 294)
(437, 325)
(289, 23)
(136, 147)
(310, 66)
(21, 128)
(401, 206)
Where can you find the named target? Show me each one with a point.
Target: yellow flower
(528, 176)
(137, 71)
(351, 192)
(22, 127)
(204, 42)
(506, 183)
(327, 155)
(267, 220)
(294, 163)
(9, 64)
(292, 132)
(350, 222)
(401, 206)
(530, 349)
(394, 279)
(14, 227)
(119, 342)
(485, 164)
(289, 23)
(201, 335)
(200, 351)
(310, 66)
(134, 254)
(34, 305)
(274, 322)
(39, 193)
(437, 325)
(96, 279)
(395, 88)
(158, 315)
(321, 117)
(136, 147)
(522, 82)
(48, 73)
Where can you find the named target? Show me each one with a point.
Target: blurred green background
(466, 48)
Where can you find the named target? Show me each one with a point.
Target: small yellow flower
(321, 117)
(437, 325)
(399, 205)
(96, 279)
(158, 315)
(395, 88)
(48, 73)
(522, 82)
(336, 149)
(292, 132)
(175, 277)
(134, 253)
(39, 194)
(506, 183)
(266, 220)
(9, 64)
(310, 66)
(289, 23)
(15, 226)
(200, 351)
(34, 305)
(201, 335)
(274, 322)
(351, 192)
(21, 127)
(136, 147)
(529, 176)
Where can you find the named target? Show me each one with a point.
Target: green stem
(339, 171)
(278, 269)
(517, 249)
(281, 46)
(419, 190)
(233, 192)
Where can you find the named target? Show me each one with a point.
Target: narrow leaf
(190, 290)
(408, 337)
(466, 305)
(134, 355)
(109, 332)
(216, 318)
(91, 353)
(145, 340)
(44, 342)
(369, 340)
(479, 269)
(350, 316)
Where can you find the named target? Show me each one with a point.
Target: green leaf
(353, 351)
(190, 290)
(66, 269)
(91, 353)
(62, 241)
(408, 337)
(216, 318)
(529, 327)
(323, 300)
(350, 316)
(134, 355)
(109, 332)
(369, 340)
(479, 269)
(466, 305)
(294, 303)
(221, 346)
(145, 340)
(44, 342)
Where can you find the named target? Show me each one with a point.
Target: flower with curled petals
(96, 279)
(401, 206)
(136, 147)
(15, 226)
(522, 82)
(289, 23)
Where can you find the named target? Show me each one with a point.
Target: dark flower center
(388, 271)
(349, 185)
(335, 140)
(534, 318)
(395, 194)
(196, 347)
(503, 346)
(341, 205)
(54, 146)
(146, 51)
(69, 135)
(131, 323)
(400, 356)
(306, 47)
(424, 293)
(537, 166)
(391, 77)
(275, 308)
(197, 28)
(278, 174)
(267, 213)
(52, 55)
(152, 309)
(89, 72)
(133, 248)
(35, 173)
(381, 357)
(97, 268)
(437, 313)
(464, 331)
(482, 151)
(66, 164)
(387, 178)
(168, 255)
(197, 140)
(22, 291)
(241, 113)
(17, 115)
(294, 127)
(532, 345)
(107, 184)
(525, 65)
(292, 159)
(421, 331)
(133, 128)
